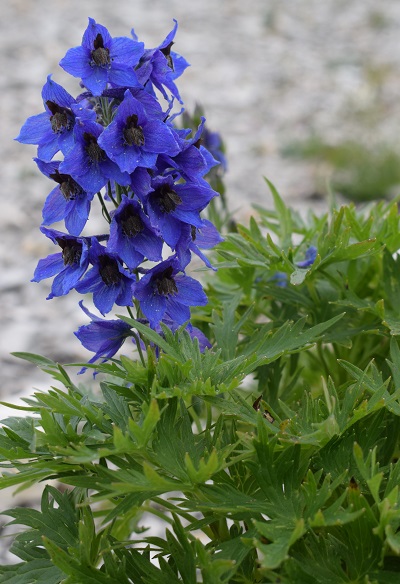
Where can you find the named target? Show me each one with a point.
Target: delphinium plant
(260, 429)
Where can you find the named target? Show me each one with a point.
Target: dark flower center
(193, 232)
(166, 52)
(68, 187)
(109, 271)
(100, 55)
(133, 133)
(60, 119)
(71, 251)
(95, 153)
(131, 223)
(167, 198)
(165, 283)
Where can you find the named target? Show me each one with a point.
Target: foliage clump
(271, 457)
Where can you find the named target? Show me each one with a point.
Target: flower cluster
(117, 142)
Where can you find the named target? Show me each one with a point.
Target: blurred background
(304, 92)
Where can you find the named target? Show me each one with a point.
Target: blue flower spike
(117, 142)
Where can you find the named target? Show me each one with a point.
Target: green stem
(209, 416)
(322, 359)
(106, 214)
(137, 339)
(109, 193)
(139, 348)
(160, 514)
(171, 507)
(206, 529)
(106, 110)
(195, 418)
(118, 192)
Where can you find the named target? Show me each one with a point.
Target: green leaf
(284, 216)
(142, 433)
(282, 538)
(71, 567)
(38, 360)
(289, 337)
(116, 407)
(151, 335)
(37, 571)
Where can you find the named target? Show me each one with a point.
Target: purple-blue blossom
(134, 138)
(53, 130)
(68, 201)
(102, 337)
(68, 265)
(213, 146)
(194, 239)
(131, 235)
(103, 60)
(88, 163)
(193, 161)
(159, 67)
(310, 257)
(194, 333)
(280, 279)
(165, 292)
(170, 205)
(108, 281)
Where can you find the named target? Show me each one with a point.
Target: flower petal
(77, 62)
(190, 291)
(153, 307)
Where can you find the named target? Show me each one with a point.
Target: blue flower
(193, 239)
(102, 59)
(53, 129)
(140, 182)
(131, 235)
(108, 281)
(149, 102)
(310, 257)
(165, 293)
(213, 144)
(194, 160)
(170, 205)
(194, 333)
(102, 337)
(88, 163)
(70, 264)
(161, 66)
(280, 279)
(134, 139)
(68, 201)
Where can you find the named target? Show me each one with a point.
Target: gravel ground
(267, 72)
